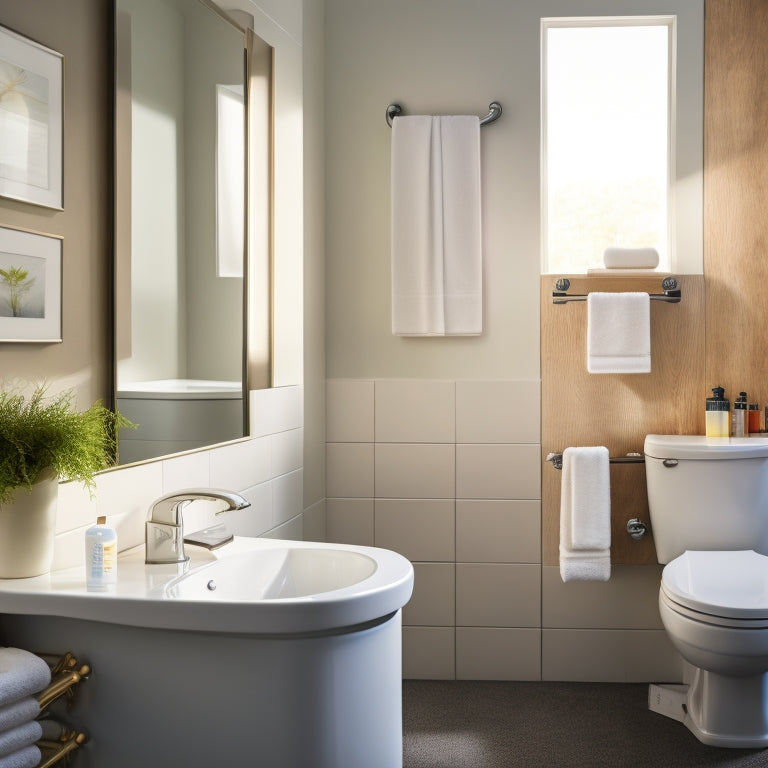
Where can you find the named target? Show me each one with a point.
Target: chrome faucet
(164, 535)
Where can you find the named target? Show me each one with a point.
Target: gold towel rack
(66, 672)
(54, 751)
(64, 675)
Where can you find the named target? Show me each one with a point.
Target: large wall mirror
(191, 224)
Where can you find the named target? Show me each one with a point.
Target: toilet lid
(730, 584)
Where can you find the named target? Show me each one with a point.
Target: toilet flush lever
(669, 463)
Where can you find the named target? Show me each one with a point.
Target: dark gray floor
(456, 724)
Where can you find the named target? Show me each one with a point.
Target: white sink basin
(251, 586)
(273, 574)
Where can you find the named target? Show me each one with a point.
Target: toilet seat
(728, 588)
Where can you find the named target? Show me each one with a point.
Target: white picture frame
(31, 121)
(30, 286)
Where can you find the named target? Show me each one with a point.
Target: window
(607, 125)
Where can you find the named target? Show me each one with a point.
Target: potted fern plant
(43, 439)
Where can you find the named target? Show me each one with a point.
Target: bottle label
(109, 556)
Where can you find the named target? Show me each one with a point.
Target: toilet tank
(707, 493)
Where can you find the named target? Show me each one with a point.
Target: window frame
(668, 20)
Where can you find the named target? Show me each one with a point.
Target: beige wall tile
(349, 470)
(498, 531)
(314, 522)
(629, 600)
(429, 653)
(609, 655)
(434, 596)
(498, 471)
(498, 412)
(497, 595)
(419, 529)
(287, 497)
(287, 451)
(241, 465)
(349, 411)
(498, 654)
(415, 411)
(349, 521)
(408, 471)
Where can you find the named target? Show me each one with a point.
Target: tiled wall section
(448, 474)
(266, 469)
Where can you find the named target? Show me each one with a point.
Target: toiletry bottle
(100, 556)
(753, 413)
(717, 414)
(739, 416)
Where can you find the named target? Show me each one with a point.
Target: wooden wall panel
(617, 411)
(736, 196)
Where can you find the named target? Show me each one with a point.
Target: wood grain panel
(736, 195)
(617, 411)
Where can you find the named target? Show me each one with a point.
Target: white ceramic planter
(27, 527)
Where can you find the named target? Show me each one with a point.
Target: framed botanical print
(30, 286)
(31, 121)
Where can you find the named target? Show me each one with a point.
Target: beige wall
(410, 475)
(82, 31)
(449, 56)
(269, 468)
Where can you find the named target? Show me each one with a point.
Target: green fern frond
(39, 432)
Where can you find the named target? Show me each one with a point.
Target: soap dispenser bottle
(739, 416)
(717, 413)
(100, 556)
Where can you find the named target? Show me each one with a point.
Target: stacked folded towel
(22, 675)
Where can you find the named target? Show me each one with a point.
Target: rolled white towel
(21, 674)
(631, 258)
(18, 712)
(19, 737)
(28, 757)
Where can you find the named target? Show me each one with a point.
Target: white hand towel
(618, 333)
(21, 674)
(631, 258)
(19, 737)
(585, 515)
(436, 226)
(18, 712)
(28, 757)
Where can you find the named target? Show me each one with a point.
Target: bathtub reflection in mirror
(181, 128)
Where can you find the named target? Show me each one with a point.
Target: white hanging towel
(585, 515)
(618, 333)
(436, 232)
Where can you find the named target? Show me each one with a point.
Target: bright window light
(606, 139)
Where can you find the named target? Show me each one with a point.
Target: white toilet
(708, 500)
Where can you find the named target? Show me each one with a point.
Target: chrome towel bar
(630, 458)
(393, 110)
(669, 285)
